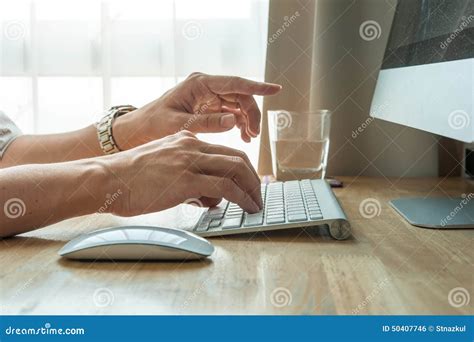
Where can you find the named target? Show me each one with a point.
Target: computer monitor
(426, 82)
(427, 75)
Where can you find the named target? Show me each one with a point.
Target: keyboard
(288, 204)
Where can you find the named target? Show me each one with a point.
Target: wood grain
(388, 267)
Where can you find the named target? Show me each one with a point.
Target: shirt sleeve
(8, 132)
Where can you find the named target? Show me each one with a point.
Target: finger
(229, 104)
(235, 168)
(242, 123)
(224, 150)
(249, 107)
(215, 186)
(209, 123)
(233, 84)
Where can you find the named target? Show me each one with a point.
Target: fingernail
(227, 121)
(276, 85)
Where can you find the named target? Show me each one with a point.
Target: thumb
(213, 123)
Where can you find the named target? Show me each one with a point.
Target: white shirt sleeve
(8, 132)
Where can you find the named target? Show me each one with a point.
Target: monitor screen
(430, 31)
(426, 78)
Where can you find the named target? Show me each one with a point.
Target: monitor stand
(445, 213)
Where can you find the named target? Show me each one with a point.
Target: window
(63, 62)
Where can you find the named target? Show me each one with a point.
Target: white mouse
(137, 243)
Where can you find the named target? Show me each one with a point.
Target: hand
(167, 172)
(201, 104)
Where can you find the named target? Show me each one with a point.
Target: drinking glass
(300, 141)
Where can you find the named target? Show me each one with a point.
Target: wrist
(96, 186)
(130, 131)
(111, 191)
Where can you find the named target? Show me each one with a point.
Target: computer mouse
(137, 243)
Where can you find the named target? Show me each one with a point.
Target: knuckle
(242, 155)
(207, 123)
(236, 79)
(187, 141)
(197, 76)
(238, 161)
(185, 133)
(194, 74)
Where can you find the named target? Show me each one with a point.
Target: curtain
(329, 57)
(62, 62)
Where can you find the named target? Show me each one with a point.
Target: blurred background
(63, 62)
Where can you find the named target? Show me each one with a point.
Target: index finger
(222, 85)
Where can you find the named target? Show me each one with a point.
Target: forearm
(52, 148)
(34, 196)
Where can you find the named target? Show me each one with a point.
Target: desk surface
(388, 267)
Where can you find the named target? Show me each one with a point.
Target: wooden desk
(388, 267)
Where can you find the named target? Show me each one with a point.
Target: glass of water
(300, 141)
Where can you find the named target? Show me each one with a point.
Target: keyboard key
(233, 222)
(296, 217)
(215, 223)
(203, 225)
(297, 212)
(216, 215)
(234, 211)
(275, 219)
(315, 216)
(253, 219)
(275, 213)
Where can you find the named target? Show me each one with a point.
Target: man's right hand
(169, 171)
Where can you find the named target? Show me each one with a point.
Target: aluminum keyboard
(284, 202)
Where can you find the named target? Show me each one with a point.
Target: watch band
(104, 128)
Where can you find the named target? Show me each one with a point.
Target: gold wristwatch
(104, 128)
